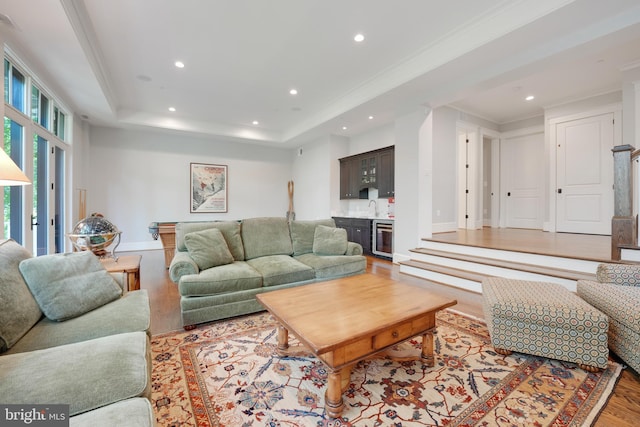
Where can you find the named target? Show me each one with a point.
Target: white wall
(411, 182)
(380, 137)
(312, 179)
(138, 177)
(445, 166)
(78, 171)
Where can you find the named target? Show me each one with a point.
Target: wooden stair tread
(510, 247)
(530, 268)
(449, 271)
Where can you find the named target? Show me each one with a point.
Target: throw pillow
(329, 240)
(19, 311)
(208, 248)
(302, 233)
(68, 285)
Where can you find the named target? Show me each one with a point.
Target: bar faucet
(375, 207)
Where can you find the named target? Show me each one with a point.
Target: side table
(129, 264)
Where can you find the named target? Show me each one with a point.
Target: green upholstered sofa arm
(181, 265)
(354, 248)
(121, 279)
(619, 274)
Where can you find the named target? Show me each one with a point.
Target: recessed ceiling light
(172, 109)
(179, 64)
(530, 98)
(370, 117)
(359, 37)
(255, 122)
(293, 91)
(344, 128)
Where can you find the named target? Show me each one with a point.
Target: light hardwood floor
(622, 410)
(579, 246)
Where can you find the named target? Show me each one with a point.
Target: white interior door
(584, 174)
(523, 167)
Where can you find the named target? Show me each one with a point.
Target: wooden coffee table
(346, 320)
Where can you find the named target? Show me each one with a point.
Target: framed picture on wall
(208, 188)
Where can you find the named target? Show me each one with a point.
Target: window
(34, 137)
(39, 107)
(15, 87)
(7, 69)
(13, 196)
(58, 123)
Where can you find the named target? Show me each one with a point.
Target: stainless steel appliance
(383, 237)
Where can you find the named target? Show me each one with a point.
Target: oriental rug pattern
(228, 374)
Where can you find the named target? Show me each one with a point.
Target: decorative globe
(95, 233)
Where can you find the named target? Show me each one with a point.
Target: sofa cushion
(330, 267)
(68, 285)
(112, 369)
(266, 236)
(230, 230)
(303, 232)
(619, 274)
(329, 240)
(127, 314)
(208, 248)
(619, 302)
(281, 269)
(238, 276)
(19, 311)
(134, 412)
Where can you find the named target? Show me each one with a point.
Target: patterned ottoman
(544, 319)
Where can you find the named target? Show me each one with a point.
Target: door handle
(559, 190)
(509, 194)
(34, 221)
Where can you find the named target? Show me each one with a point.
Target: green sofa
(220, 272)
(68, 335)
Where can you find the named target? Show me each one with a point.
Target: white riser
(458, 282)
(630, 255)
(578, 265)
(492, 270)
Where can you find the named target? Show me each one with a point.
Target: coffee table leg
(427, 348)
(283, 340)
(333, 403)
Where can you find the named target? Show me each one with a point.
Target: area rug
(228, 374)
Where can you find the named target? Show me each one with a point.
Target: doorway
(478, 182)
(522, 169)
(467, 184)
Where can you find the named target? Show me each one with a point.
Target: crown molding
(76, 12)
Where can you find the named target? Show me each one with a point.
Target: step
(630, 253)
(512, 265)
(466, 271)
(449, 276)
(449, 271)
(559, 262)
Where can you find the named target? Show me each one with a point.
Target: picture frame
(208, 188)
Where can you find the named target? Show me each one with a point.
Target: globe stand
(95, 233)
(96, 244)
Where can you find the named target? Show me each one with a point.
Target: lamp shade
(10, 173)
